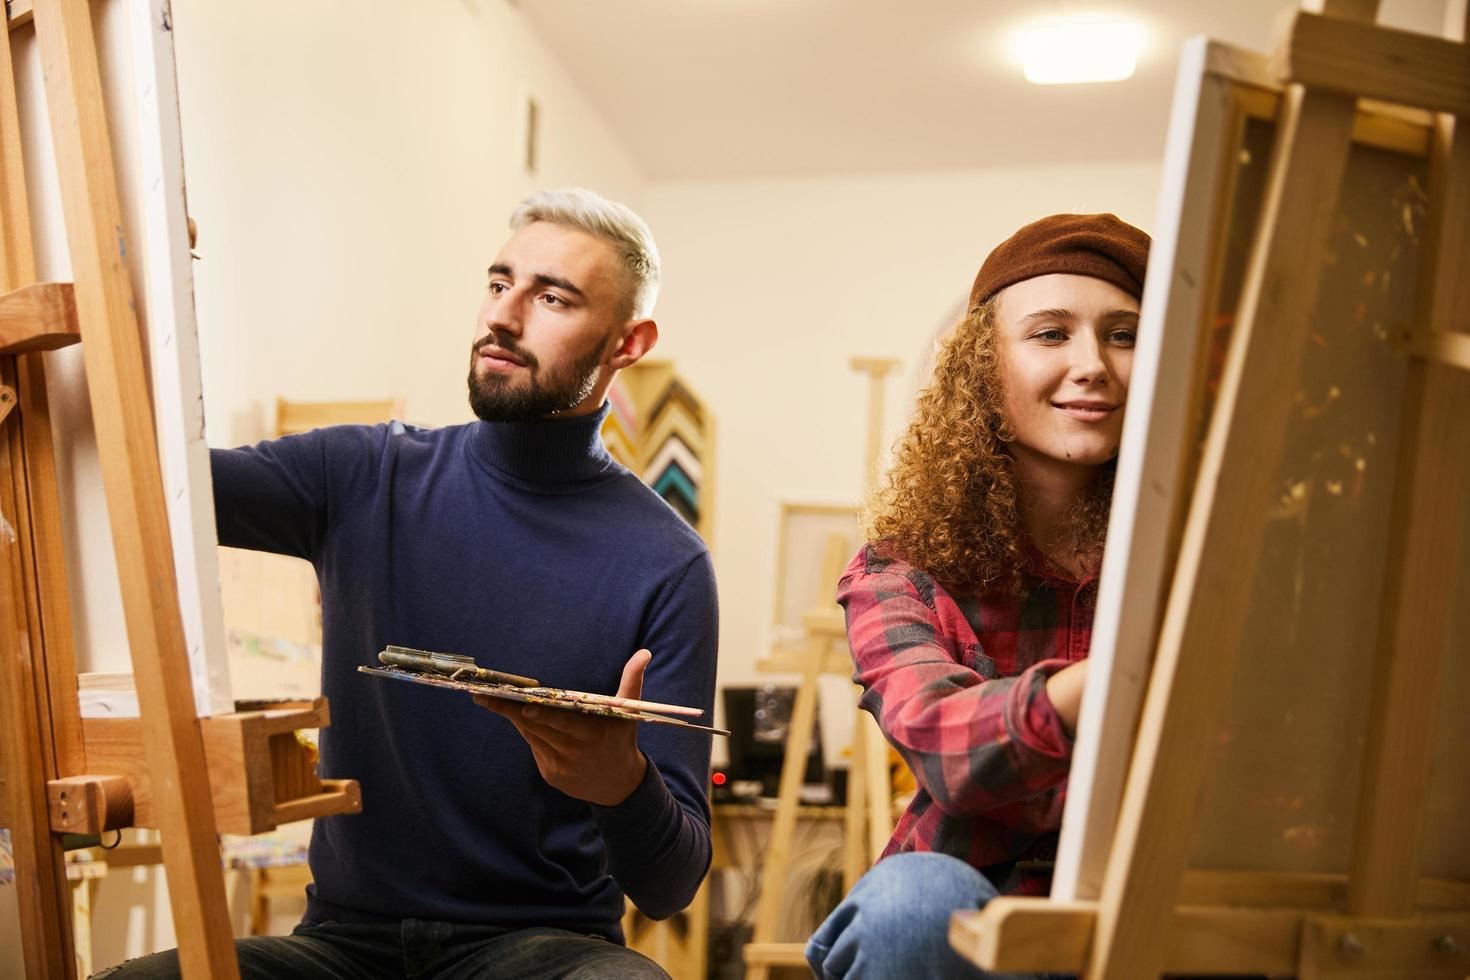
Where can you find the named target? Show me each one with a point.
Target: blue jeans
(894, 924)
(416, 949)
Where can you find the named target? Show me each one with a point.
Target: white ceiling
(740, 88)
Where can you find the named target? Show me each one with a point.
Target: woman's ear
(639, 337)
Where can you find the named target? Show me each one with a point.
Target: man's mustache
(507, 345)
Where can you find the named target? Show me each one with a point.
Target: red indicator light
(718, 779)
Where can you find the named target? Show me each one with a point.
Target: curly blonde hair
(951, 501)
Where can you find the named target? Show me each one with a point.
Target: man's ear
(639, 337)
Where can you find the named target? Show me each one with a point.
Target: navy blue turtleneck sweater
(528, 548)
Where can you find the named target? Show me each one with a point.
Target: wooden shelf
(260, 775)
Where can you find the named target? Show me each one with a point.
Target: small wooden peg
(89, 804)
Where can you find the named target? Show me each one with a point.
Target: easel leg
(793, 770)
(855, 858)
(50, 617)
(40, 872)
(880, 787)
(696, 955)
(84, 899)
(28, 736)
(30, 760)
(260, 904)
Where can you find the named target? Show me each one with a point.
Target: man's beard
(502, 398)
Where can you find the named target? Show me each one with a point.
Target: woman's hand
(1064, 690)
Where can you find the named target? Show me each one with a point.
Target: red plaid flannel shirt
(958, 685)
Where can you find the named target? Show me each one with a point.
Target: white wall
(351, 167)
(771, 286)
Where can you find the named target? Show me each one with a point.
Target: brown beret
(1098, 245)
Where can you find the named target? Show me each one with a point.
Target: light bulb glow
(1079, 51)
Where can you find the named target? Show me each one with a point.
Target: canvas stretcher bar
(1151, 481)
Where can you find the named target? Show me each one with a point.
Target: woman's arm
(973, 743)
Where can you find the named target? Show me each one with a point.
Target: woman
(969, 612)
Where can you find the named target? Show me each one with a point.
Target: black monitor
(759, 719)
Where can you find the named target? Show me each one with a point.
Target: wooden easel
(868, 819)
(189, 777)
(1151, 912)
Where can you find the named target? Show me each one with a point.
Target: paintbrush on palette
(456, 665)
(458, 672)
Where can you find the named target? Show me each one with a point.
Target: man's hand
(585, 756)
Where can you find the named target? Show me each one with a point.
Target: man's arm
(658, 840)
(589, 758)
(283, 495)
(973, 743)
(656, 827)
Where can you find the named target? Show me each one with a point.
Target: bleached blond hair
(577, 207)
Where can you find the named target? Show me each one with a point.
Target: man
(497, 846)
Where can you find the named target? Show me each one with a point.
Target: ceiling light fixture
(1076, 51)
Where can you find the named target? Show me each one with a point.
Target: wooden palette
(552, 697)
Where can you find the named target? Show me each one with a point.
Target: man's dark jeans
(416, 950)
